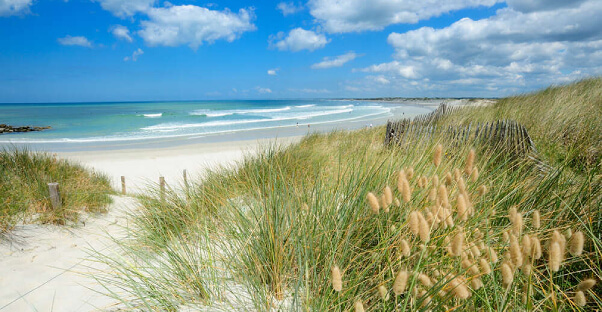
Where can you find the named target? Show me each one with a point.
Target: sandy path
(41, 266)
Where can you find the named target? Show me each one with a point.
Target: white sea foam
(153, 115)
(305, 106)
(220, 113)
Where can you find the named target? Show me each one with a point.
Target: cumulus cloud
(121, 32)
(75, 41)
(360, 15)
(134, 56)
(193, 25)
(299, 39)
(125, 8)
(288, 8)
(506, 53)
(273, 72)
(335, 62)
(14, 7)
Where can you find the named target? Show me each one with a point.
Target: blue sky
(145, 50)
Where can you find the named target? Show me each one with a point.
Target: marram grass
(278, 257)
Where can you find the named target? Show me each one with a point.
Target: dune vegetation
(24, 194)
(341, 222)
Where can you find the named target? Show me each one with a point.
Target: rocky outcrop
(11, 129)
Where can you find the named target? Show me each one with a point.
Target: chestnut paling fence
(506, 136)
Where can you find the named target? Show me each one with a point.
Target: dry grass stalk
(438, 154)
(576, 244)
(373, 202)
(383, 203)
(469, 162)
(337, 282)
(401, 281)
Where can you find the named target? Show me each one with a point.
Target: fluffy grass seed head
(443, 195)
(382, 291)
(527, 246)
(414, 223)
(462, 209)
(517, 225)
(435, 180)
(485, 267)
(383, 202)
(388, 195)
(401, 281)
(424, 228)
(469, 162)
(405, 248)
(437, 155)
(536, 220)
(305, 207)
(492, 255)
(401, 176)
(457, 174)
(460, 289)
(561, 240)
(507, 274)
(373, 202)
(396, 202)
(535, 247)
(461, 185)
(580, 300)
(576, 244)
(587, 284)
(476, 283)
(457, 244)
(482, 190)
(425, 280)
(406, 193)
(555, 257)
(337, 282)
(358, 306)
(410, 172)
(515, 252)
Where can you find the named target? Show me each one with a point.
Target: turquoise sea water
(119, 123)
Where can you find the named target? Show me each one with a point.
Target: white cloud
(261, 90)
(510, 52)
(335, 62)
(134, 56)
(338, 16)
(14, 7)
(299, 39)
(193, 25)
(75, 41)
(310, 91)
(379, 79)
(288, 8)
(273, 72)
(125, 8)
(121, 32)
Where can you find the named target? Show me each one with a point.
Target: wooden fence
(508, 135)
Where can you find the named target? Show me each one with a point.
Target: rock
(4, 128)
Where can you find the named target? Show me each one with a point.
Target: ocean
(123, 125)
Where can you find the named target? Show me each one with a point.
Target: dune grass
(24, 178)
(297, 228)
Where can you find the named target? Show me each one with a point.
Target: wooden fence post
(123, 185)
(185, 178)
(55, 196)
(162, 186)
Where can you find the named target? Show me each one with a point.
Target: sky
(145, 50)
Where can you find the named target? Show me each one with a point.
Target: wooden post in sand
(123, 185)
(55, 196)
(162, 187)
(185, 178)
